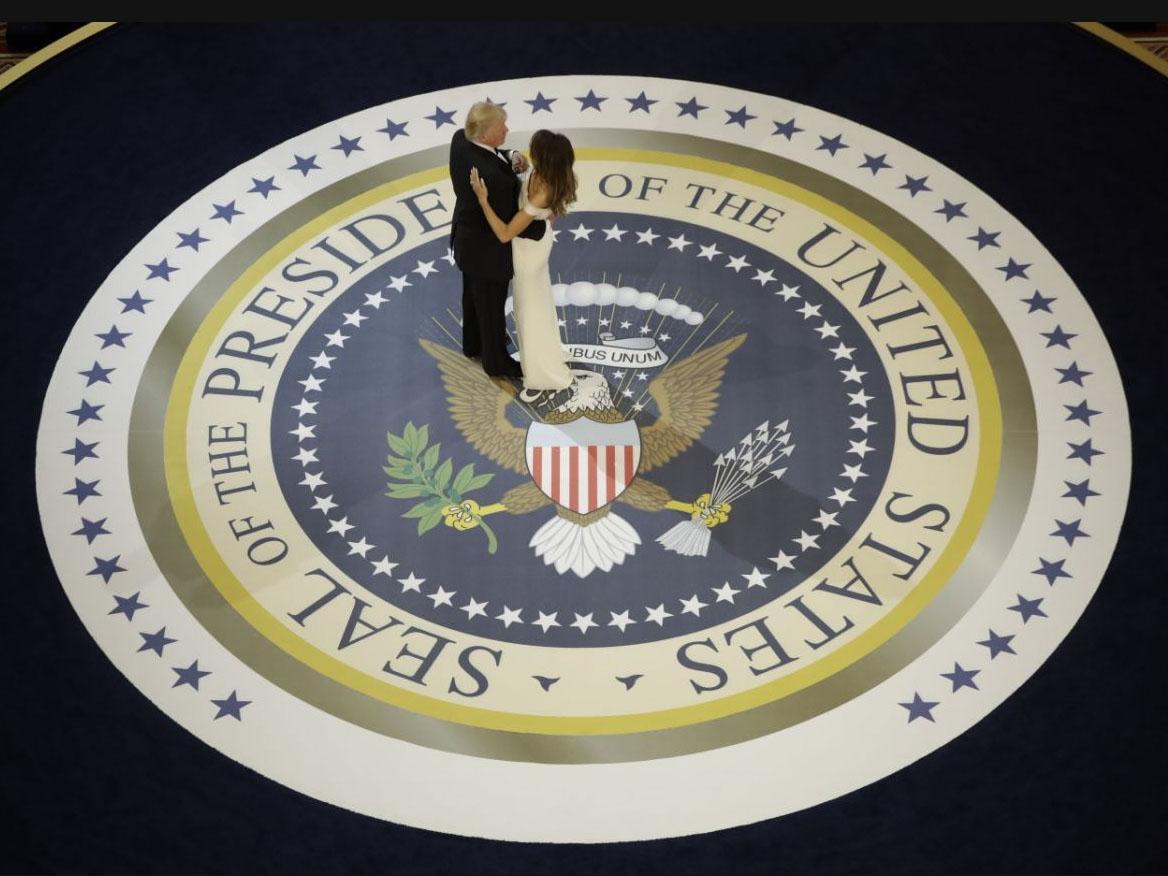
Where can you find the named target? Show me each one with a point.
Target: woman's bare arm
(504, 231)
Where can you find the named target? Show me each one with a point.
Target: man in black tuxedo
(484, 261)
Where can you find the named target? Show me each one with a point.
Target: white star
(842, 352)
(828, 330)
(509, 616)
(788, 292)
(782, 561)
(641, 375)
(361, 547)
(664, 337)
(809, 310)
(708, 252)
(860, 398)
(375, 300)
(825, 520)
(305, 407)
(412, 582)
(449, 257)
(602, 322)
(312, 384)
(657, 615)
(583, 622)
(853, 375)
(340, 526)
(560, 323)
(398, 284)
(324, 503)
(473, 608)
(555, 234)
(322, 360)
(841, 497)
(621, 620)
(627, 393)
(312, 481)
(679, 243)
(441, 596)
(355, 318)
(639, 406)
(860, 448)
(425, 269)
(646, 236)
(862, 423)
(725, 592)
(336, 339)
(645, 329)
(756, 578)
(693, 606)
(384, 567)
(301, 432)
(579, 233)
(763, 277)
(626, 324)
(853, 472)
(546, 620)
(306, 456)
(806, 540)
(618, 375)
(613, 233)
(737, 263)
(581, 320)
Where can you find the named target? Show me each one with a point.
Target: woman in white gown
(548, 188)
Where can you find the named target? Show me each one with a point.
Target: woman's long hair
(552, 158)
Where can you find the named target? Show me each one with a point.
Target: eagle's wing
(687, 396)
(478, 405)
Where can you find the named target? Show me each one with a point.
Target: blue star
(919, 708)
(998, 644)
(349, 146)
(91, 529)
(86, 412)
(128, 606)
(640, 102)
(264, 186)
(106, 568)
(439, 118)
(1013, 269)
(113, 338)
(832, 144)
(190, 675)
(1051, 570)
(961, 677)
(1077, 412)
(304, 165)
(162, 269)
(1073, 374)
(1083, 451)
(230, 706)
(192, 240)
(1081, 491)
(591, 101)
(83, 489)
(226, 212)
(787, 129)
(1038, 302)
(915, 185)
(738, 117)
(690, 108)
(951, 210)
(135, 302)
(985, 238)
(499, 103)
(155, 641)
(1058, 338)
(539, 102)
(1069, 531)
(875, 163)
(394, 129)
(80, 450)
(1028, 608)
(97, 374)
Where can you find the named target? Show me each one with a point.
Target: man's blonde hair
(481, 116)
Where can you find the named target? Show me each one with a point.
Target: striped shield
(583, 465)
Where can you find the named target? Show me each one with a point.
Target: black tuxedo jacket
(477, 251)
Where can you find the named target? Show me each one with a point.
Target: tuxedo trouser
(484, 327)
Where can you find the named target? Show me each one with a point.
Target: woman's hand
(476, 183)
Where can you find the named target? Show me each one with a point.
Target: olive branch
(414, 472)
